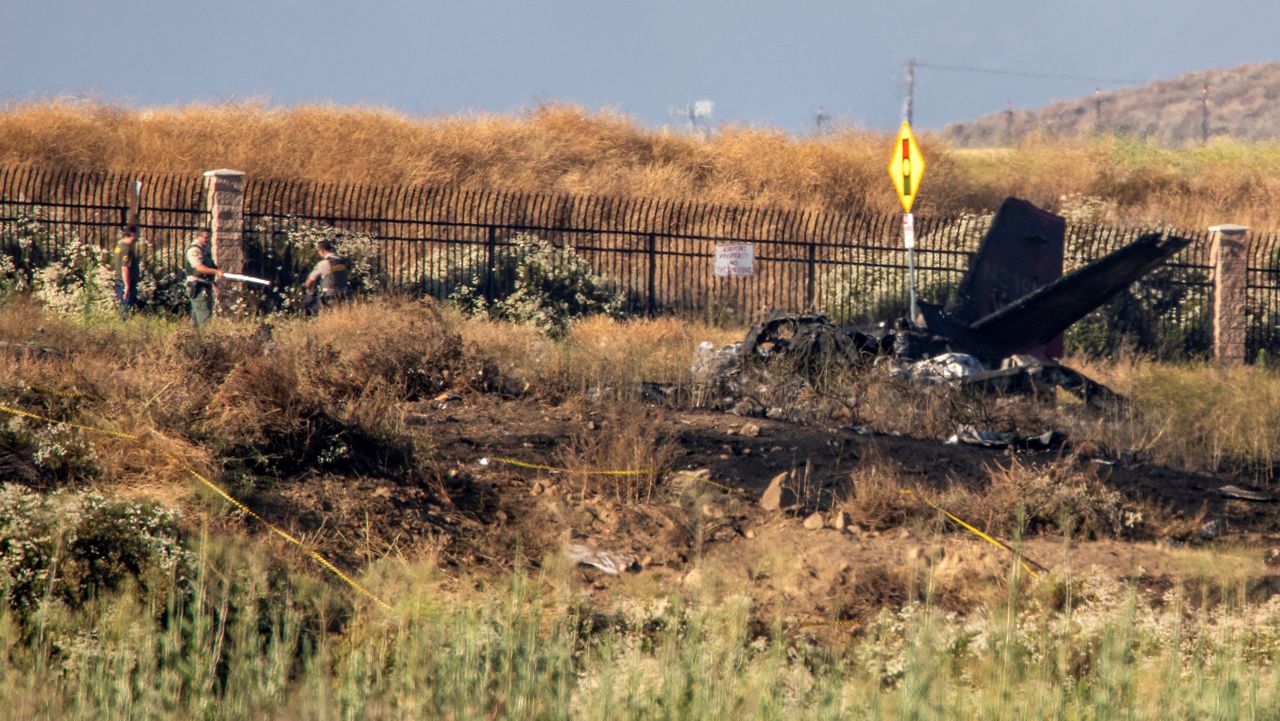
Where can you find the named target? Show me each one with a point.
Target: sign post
(906, 168)
(909, 242)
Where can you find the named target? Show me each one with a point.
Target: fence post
(491, 248)
(651, 247)
(1230, 270)
(810, 292)
(226, 229)
(133, 215)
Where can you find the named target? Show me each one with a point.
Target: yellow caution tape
(60, 394)
(628, 472)
(68, 424)
(315, 555)
(977, 532)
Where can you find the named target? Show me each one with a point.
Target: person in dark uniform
(201, 273)
(328, 284)
(124, 261)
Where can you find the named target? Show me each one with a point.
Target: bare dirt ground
(707, 533)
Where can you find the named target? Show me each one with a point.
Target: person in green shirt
(124, 261)
(201, 273)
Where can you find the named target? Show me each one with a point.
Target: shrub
(71, 547)
(323, 393)
(1162, 315)
(65, 273)
(162, 285)
(870, 284)
(283, 250)
(1057, 495)
(73, 276)
(61, 454)
(537, 283)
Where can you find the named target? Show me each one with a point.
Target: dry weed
(624, 441)
(1062, 495)
(566, 149)
(600, 355)
(925, 411)
(403, 344)
(1196, 415)
(879, 497)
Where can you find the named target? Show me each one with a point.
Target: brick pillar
(226, 230)
(1230, 263)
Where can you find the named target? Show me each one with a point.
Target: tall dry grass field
(1198, 415)
(565, 149)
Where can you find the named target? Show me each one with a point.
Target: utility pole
(1008, 122)
(1204, 114)
(908, 106)
(696, 114)
(820, 120)
(1097, 109)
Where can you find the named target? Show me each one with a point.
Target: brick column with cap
(226, 230)
(1230, 269)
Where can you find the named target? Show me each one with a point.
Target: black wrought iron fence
(1262, 304)
(94, 206)
(661, 253)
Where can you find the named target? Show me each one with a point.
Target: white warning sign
(735, 260)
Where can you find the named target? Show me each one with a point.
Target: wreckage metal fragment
(1037, 317)
(1040, 379)
(1008, 303)
(942, 368)
(809, 341)
(610, 562)
(1020, 253)
(994, 439)
(1246, 494)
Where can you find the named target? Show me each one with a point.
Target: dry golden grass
(353, 367)
(880, 497)
(558, 149)
(1197, 415)
(599, 352)
(622, 442)
(566, 149)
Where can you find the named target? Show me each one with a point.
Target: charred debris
(999, 332)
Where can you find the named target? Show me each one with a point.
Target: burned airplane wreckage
(999, 332)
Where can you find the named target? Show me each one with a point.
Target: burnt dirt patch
(705, 512)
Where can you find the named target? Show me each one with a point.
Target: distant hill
(1242, 105)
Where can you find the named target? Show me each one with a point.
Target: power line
(1022, 74)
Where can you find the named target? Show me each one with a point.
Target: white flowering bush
(1081, 208)
(162, 285)
(29, 538)
(68, 547)
(63, 271)
(22, 255)
(283, 250)
(539, 284)
(74, 277)
(76, 285)
(11, 279)
(61, 454)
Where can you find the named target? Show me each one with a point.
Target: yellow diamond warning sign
(906, 167)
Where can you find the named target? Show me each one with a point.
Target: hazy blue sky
(762, 63)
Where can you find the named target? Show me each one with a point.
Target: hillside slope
(570, 150)
(1237, 104)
